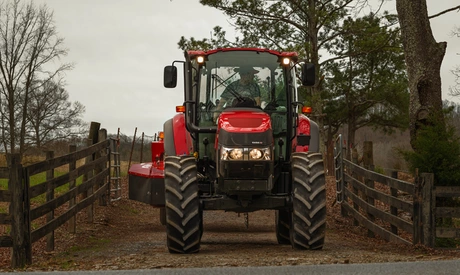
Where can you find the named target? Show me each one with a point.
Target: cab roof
(193, 53)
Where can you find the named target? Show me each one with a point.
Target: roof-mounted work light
(200, 59)
(286, 61)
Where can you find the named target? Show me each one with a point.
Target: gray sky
(120, 48)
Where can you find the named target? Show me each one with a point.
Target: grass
(41, 177)
(3, 184)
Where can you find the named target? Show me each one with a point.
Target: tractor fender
(177, 141)
(307, 138)
(314, 137)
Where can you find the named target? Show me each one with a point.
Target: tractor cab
(226, 81)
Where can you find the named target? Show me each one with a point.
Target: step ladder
(115, 178)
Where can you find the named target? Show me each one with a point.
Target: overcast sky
(120, 48)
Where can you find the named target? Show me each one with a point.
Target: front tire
(283, 226)
(309, 201)
(182, 204)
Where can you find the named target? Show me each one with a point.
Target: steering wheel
(244, 102)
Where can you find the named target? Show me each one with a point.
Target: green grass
(3, 184)
(379, 170)
(40, 178)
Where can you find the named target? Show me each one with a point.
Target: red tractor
(240, 143)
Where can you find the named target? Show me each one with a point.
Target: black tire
(283, 226)
(182, 203)
(308, 228)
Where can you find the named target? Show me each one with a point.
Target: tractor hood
(244, 126)
(244, 121)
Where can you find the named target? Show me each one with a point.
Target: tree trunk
(313, 55)
(423, 60)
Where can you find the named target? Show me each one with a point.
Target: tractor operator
(244, 92)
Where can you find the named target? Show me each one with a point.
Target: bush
(437, 152)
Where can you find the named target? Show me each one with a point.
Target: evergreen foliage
(437, 151)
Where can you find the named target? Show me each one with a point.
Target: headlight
(245, 153)
(259, 154)
(231, 153)
(236, 154)
(255, 154)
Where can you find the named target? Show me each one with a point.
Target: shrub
(438, 152)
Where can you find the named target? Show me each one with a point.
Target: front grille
(246, 169)
(246, 139)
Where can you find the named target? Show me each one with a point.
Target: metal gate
(338, 164)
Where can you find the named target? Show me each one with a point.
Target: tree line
(35, 109)
(372, 69)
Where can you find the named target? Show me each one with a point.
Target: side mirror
(170, 77)
(308, 74)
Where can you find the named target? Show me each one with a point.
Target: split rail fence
(396, 210)
(84, 184)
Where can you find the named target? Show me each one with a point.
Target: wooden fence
(431, 213)
(396, 210)
(5, 218)
(95, 184)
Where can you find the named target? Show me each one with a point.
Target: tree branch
(443, 12)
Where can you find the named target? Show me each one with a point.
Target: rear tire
(182, 204)
(283, 226)
(309, 201)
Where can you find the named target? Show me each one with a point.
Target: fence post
(142, 147)
(355, 159)
(417, 214)
(18, 230)
(368, 162)
(102, 136)
(428, 201)
(27, 227)
(49, 197)
(394, 210)
(93, 139)
(132, 147)
(72, 166)
(86, 177)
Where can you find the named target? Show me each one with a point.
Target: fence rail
(94, 175)
(394, 209)
(361, 198)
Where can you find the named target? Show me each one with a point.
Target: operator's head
(246, 73)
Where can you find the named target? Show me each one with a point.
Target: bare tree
(28, 45)
(51, 116)
(455, 89)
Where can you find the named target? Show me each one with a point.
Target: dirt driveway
(128, 235)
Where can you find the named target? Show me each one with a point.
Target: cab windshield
(234, 78)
